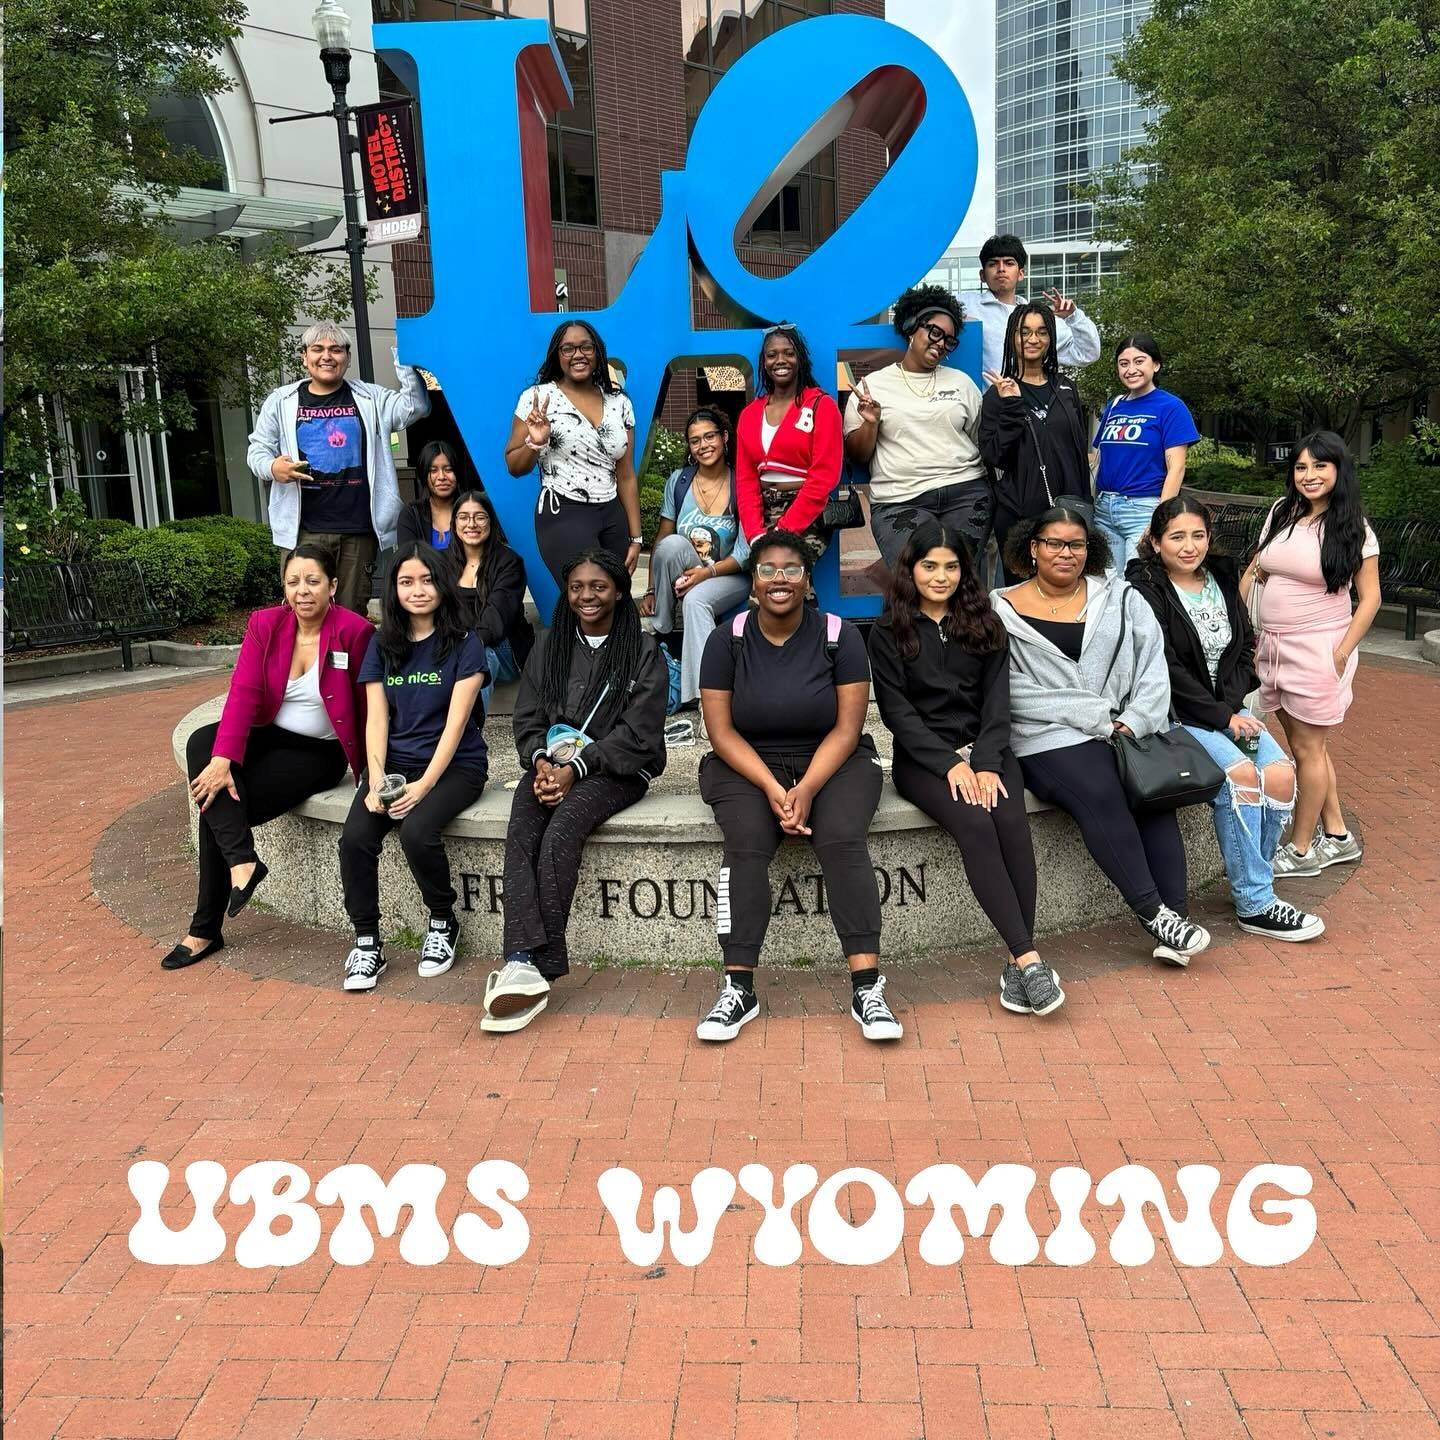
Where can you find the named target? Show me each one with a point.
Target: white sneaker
(507, 1024)
(513, 988)
(734, 1007)
(1176, 938)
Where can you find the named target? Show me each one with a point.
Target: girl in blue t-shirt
(1143, 435)
(422, 676)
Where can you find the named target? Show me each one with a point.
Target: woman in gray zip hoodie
(1087, 660)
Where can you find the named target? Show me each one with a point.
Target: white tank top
(302, 712)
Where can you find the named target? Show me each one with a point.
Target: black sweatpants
(840, 819)
(994, 844)
(563, 528)
(1142, 855)
(542, 861)
(420, 838)
(281, 769)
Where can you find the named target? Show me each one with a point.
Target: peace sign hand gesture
(1062, 305)
(1005, 386)
(866, 404)
(537, 422)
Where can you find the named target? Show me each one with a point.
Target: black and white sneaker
(1042, 987)
(365, 964)
(1013, 995)
(734, 1008)
(1176, 938)
(874, 1017)
(1282, 922)
(437, 954)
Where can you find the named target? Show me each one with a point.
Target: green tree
(1281, 230)
(95, 279)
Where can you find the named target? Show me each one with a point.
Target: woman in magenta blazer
(294, 717)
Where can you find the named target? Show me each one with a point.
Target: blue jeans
(1248, 823)
(1122, 520)
(500, 663)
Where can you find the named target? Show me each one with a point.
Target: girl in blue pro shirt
(1142, 439)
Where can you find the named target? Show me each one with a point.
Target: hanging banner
(392, 188)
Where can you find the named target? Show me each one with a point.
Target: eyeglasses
(709, 437)
(766, 571)
(569, 352)
(480, 519)
(1070, 547)
(941, 337)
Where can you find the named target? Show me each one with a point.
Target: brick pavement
(1323, 1056)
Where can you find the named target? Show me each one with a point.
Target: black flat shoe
(239, 898)
(181, 955)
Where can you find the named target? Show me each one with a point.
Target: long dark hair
(1010, 366)
(395, 641)
(1018, 559)
(428, 456)
(620, 656)
(551, 371)
(1342, 526)
(970, 621)
(804, 368)
(456, 549)
(1165, 515)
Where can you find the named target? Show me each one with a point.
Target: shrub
(178, 566)
(1232, 479)
(1402, 477)
(666, 451)
(652, 492)
(35, 532)
(261, 582)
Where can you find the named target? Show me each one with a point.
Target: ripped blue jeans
(1248, 822)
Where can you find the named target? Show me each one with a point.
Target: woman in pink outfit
(1315, 546)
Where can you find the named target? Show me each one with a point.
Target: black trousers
(281, 769)
(994, 844)
(420, 838)
(1142, 855)
(542, 861)
(840, 819)
(563, 528)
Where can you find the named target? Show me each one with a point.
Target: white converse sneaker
(874, 1017)
(1177, 938)
(733, 1008)
(513, 988)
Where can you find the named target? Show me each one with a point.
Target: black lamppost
(332, 30)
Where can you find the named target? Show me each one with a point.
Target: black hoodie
(1008, 436)
(1193, 698)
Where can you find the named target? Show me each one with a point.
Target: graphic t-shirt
(928, 432)
(1211, 620)
(783, 696)
(715, 537)
(1133, 438)
(418, 698)
(336, 497)
(579, 462)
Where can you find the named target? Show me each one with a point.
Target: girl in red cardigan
(788, 445)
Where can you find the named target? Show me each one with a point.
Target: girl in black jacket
(589, 726)
(490, 578)
(941, 670)
(428, 520)
(1210, 651)
(1032, 426)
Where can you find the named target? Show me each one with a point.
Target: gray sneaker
(1042, 986)
(1332, 851)
(1290, 864)
(1012, 989)
(514, 987)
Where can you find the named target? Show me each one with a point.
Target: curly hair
(971, 621)
(922, 300)
(1018, 559)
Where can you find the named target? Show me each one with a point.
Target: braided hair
(619, 657)
(1010, 365)
(804, 366)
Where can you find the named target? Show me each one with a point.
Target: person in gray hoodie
(1087, 661)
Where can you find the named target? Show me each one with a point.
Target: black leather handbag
(843, 510)
(1164, 771)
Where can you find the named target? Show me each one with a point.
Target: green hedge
(652, 492)
(1397, 481)
(261, 581)
(182, 566)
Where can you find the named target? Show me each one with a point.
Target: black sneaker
(437, 954)
(1042, 987)
(1177, 938)
(1013, 995)
(1282, 922)
(874, 1017)
(365, 964)
(734, 1008)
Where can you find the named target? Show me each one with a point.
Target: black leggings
(994, 844)
(281, 769)
(1142, 855)
(563, 528)
(839, 817)
(542, 861)
(420, 838)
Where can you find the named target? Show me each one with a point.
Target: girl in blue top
(1142, 439)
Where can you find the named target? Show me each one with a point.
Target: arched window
(189, 125)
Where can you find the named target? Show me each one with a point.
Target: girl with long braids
(915, 424)
(1315, 545)
(940, 665)
(422, 676)
(1032, 426)
(578, 426)
(589, 726)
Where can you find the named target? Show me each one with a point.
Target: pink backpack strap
(737, 625)
(832, 629)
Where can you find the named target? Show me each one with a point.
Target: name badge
(340, 659)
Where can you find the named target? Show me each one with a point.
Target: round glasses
(767, 571)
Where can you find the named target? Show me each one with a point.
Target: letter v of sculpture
(484, 93)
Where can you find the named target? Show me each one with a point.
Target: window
(189, 125)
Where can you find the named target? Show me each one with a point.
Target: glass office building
(1061, 117)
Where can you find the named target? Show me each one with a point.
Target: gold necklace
(1057, 608)
(707, 502)
(926, 388)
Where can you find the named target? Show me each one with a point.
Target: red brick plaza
(1323, 1056)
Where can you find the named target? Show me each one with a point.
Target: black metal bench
(80, 603)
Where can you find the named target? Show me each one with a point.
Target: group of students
(1115, 618)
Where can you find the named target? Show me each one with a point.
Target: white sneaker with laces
(733, 1008)
(515, 987)
(1177, 938)
(437, 954)
(365, 964)
(874, 1017)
